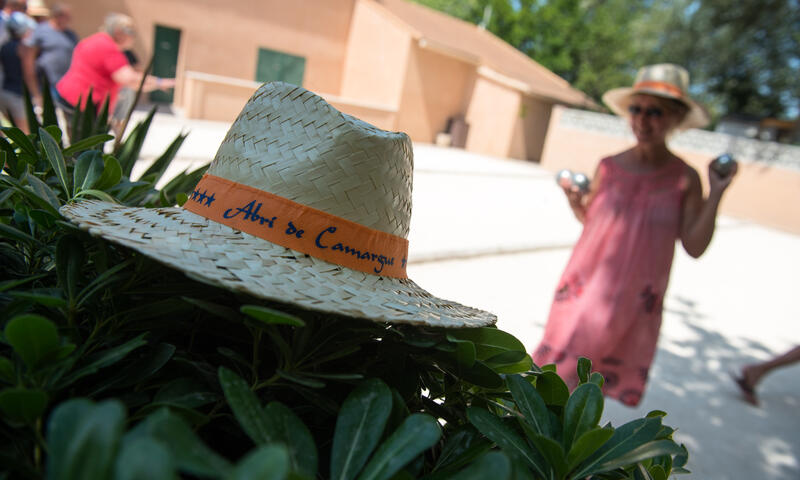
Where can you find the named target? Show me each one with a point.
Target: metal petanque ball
(723, 164)
(564, 178)
(581, 181)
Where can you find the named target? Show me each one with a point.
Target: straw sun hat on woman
(303, 205)
(664, 80)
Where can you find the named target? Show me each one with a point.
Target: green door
(165, 59)
(278, 66)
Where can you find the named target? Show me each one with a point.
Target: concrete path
(495, 234)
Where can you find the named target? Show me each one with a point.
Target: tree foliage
(742, 56)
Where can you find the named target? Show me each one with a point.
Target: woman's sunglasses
(649, 112)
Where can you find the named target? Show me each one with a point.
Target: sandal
(748, 392)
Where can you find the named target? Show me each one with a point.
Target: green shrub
(115, 366)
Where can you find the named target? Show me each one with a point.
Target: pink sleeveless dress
(608, 303)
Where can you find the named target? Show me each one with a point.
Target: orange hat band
(305, 229)
(662, 86)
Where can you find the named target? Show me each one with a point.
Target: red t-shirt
(94, 59)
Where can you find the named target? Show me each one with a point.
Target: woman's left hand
(717, 183)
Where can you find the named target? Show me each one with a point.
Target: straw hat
(303, 205)
(37, 8)
(662, 80)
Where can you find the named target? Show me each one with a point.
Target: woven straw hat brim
(618, 100)
(219, 255)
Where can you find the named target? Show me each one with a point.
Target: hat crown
(669, 73)
(292, 143)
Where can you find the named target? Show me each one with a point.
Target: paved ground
(495, 234)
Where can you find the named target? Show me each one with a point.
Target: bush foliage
(115, 366)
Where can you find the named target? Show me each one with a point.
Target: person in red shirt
(99, 64)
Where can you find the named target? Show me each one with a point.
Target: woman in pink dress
(608, 303)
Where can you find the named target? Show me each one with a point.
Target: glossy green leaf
(102, 280)
(41, 194)
(129, 150)
(83, 439)
(66, 419)
(488, 341)
(44, 299)
(22, 405)
(30, 115)
(582, 412)
(54, 132)
(112, 173)
(13, 234)
(32, 337)
(642, 452)
(597, 379)
(416, 434)
(465, 353)
(552, 389)
(679, 461)
(7, 373)
(70, 255)
(511, 357)
(359, 427)
(481, 375)
(506, 438)
(88, 118)
(9, 284)
(104, 359)
(587, 444)
(188, 452)
(246, 407)
(10, 156)
(271, 316)
(21, 140)
(53, 153)
(101, 122)
(213, 308)
(584, 369)
(625, 439)
(87, 143)
(285, 427)
(44, 218)
(48, 108)
(184, 392)
(144, 458)
(140, 369)
(657, 472)
(97, 194)
(553, 453)
(494, 465)
(88, 170)
(524, 365)
(159, 166)
(299, 379)
(266, 462)
(530, 404)
(462, 446)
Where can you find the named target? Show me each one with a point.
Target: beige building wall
(491, 116)
(436, 88)
(376, 57)
(225, 41)
(530, 129)
(763, 193)
(358, 55)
